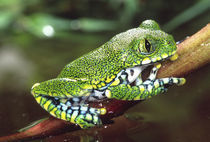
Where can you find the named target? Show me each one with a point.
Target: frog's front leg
(143, 90)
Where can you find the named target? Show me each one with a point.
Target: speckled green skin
(120, 52)
(100, 69)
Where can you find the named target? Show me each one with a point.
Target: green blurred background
(37, 38)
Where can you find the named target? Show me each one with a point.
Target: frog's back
(97, 64)
(104, 61)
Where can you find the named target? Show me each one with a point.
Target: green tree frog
(112, 71)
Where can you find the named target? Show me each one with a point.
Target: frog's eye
(145, 47)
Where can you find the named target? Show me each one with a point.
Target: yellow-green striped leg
(147, 89)
(71, 110)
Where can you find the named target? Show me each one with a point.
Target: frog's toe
(166, 82)
(88, 121)
(182, 81)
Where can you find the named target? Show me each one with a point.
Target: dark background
(37, 38)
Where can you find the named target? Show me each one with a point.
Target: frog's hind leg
(72, 110)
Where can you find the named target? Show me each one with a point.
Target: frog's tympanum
(112, 71)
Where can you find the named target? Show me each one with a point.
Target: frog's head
(149, 44)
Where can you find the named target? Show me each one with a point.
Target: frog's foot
(86, 117)
(88, 120)
(160, 85)
(73, 111)
(162, 82)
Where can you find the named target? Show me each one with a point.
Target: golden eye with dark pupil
(147, 45)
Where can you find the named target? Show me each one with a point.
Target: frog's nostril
(36, 84)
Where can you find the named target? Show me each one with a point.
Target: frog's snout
(32, 88)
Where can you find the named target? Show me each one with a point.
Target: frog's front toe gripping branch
(147, 89)
(88, 118)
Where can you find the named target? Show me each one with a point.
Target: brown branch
(194, 52)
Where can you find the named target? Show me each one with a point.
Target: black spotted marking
(78, 114)
(170, 81)
(121, 80)
(125, 79)
(56, 102)
(41, 101)
(179, 81)
(68, 116)
(51, 107)
(58, 113)
(44, 100)
(132, 72)
(92, 115)
(161, 82)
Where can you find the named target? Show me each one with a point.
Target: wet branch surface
(194, 52)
